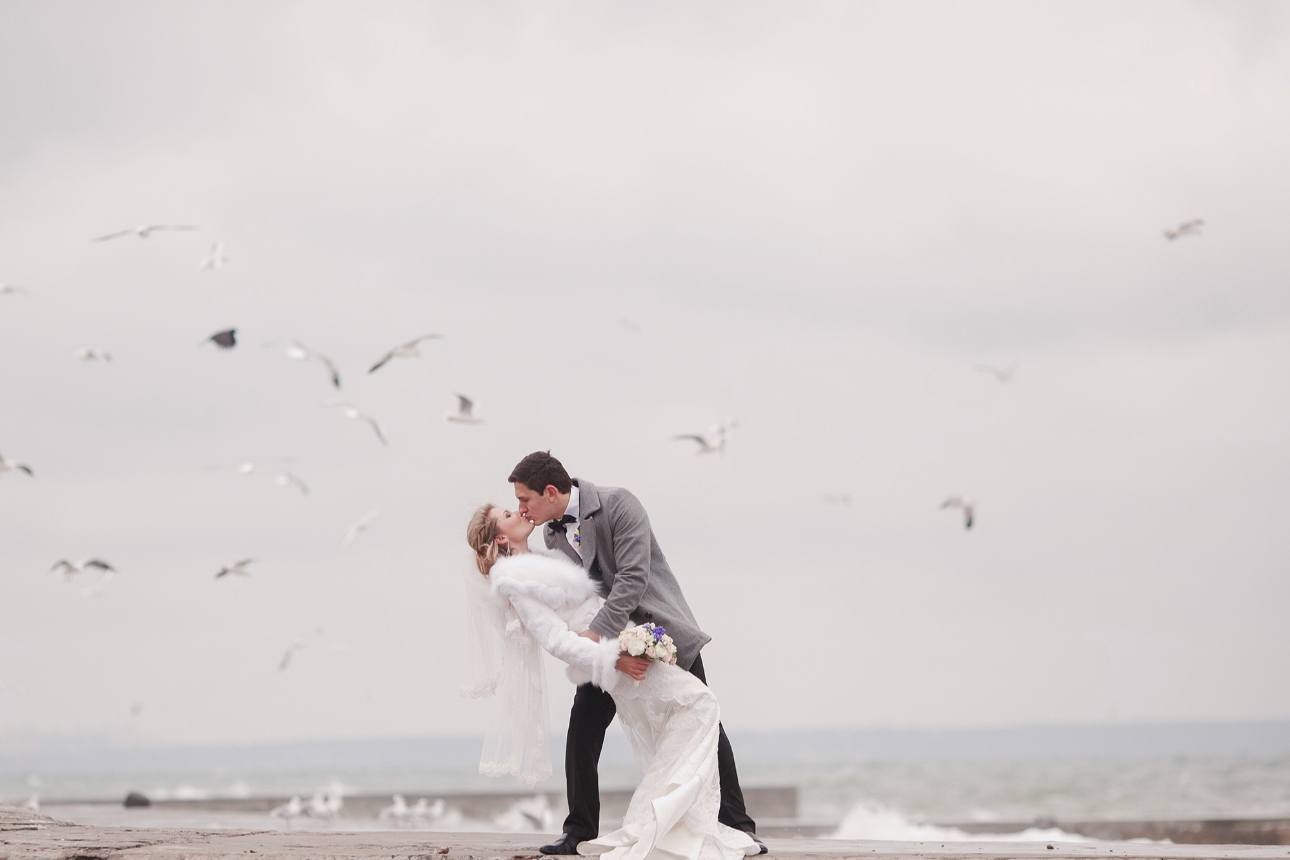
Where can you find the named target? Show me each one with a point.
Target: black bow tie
(557, 526)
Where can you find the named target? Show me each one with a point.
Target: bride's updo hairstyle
(481, 534)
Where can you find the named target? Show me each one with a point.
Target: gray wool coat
(618, 546)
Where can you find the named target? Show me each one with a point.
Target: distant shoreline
(1271, 737)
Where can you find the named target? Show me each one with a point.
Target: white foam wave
(874, 821)
(182, 791)
(238, 788)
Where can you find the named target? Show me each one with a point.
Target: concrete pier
(27, 836)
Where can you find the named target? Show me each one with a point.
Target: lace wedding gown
(671, 717)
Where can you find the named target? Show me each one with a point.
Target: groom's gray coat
(617, 541)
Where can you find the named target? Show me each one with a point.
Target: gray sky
(820, 216)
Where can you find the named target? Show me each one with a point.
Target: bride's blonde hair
(481, 534)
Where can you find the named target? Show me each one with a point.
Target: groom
(605, 530)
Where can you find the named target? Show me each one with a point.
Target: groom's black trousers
(593, 711)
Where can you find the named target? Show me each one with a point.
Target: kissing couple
(604, 573)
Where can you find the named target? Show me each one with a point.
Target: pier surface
(24, 835)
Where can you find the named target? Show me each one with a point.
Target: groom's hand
(590, 634)
(634, 666)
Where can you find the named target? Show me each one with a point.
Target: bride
(525, 601)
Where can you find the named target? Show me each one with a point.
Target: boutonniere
(577, 533)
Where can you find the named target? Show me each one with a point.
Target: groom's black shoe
(760, 844)
(566, 844)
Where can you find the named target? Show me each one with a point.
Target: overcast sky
(814, 217)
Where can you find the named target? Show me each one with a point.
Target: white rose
(651, 651)
(635, 647)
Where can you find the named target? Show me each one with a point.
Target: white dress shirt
(572, 511)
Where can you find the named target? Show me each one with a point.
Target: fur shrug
(546, 593)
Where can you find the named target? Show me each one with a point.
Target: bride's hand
(634, 666)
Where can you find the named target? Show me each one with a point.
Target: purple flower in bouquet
(659, 633)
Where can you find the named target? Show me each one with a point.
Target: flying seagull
(224, 339)
(290, 652)
(143, 231)
(363, 524)
(68, 569)
(297, 351)
(351, 412)
(711, 442)
(85, 353)
(12, 466)
(964, 504)
(215, 258)
(1186, 228)
(297, 645)
(12, 290)
(289, 479)
(238, 567)
(1002, 374)
(403, 350)
(465, 413)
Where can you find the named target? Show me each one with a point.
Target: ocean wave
(875, 821)
(183, 791)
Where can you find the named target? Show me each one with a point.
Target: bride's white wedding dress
(671, 717)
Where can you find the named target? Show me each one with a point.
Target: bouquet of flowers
(648, 640)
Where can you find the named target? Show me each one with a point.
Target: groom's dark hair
(539, 469)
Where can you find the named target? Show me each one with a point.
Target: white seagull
(364, 523)
(69, 569)
(7, 465)
(293, 808)
(306, 642)
(711, 442)
(87, 354)
(397, 810)
(143, 231)
(351, 412)
(238, 568)
(289, 653)
(403, 350)
(426, 810)
(1002, 374)
(1186, 228)
(465, 413)
(293, 481)
(964, 504)
(324, 805)
(215, 258)
(297, 351)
